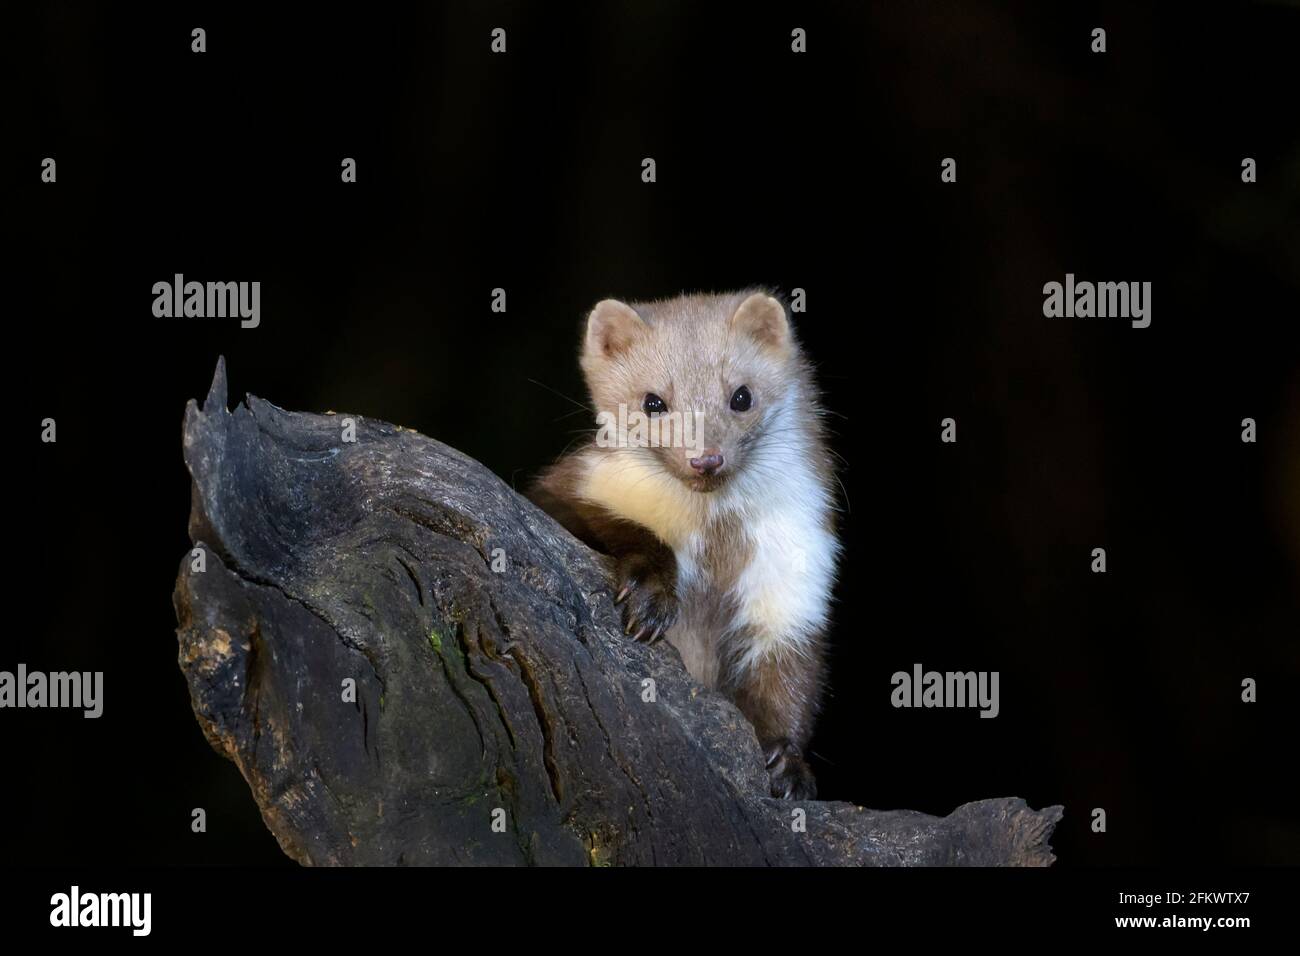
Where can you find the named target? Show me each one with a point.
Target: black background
(818, 171)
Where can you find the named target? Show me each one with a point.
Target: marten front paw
(789, 773)
(648, 595)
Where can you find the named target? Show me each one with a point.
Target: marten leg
(645, 569)
(646, 578)
(645, 574)
(780, 693)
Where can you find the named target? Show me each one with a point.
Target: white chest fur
(782, 592)
(779, 503)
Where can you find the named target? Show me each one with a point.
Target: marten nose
(709, 463)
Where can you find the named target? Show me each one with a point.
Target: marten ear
(611, 328)
(762, 318)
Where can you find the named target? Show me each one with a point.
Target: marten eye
(741, 399)
(652, 404)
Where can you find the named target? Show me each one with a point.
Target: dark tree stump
(476, 689)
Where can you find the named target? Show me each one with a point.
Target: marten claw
(648, 604)
(789, 774)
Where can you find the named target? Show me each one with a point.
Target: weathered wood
(476, 689)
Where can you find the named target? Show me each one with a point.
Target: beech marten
(721, 529)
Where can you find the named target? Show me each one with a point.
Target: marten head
(694, 384)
